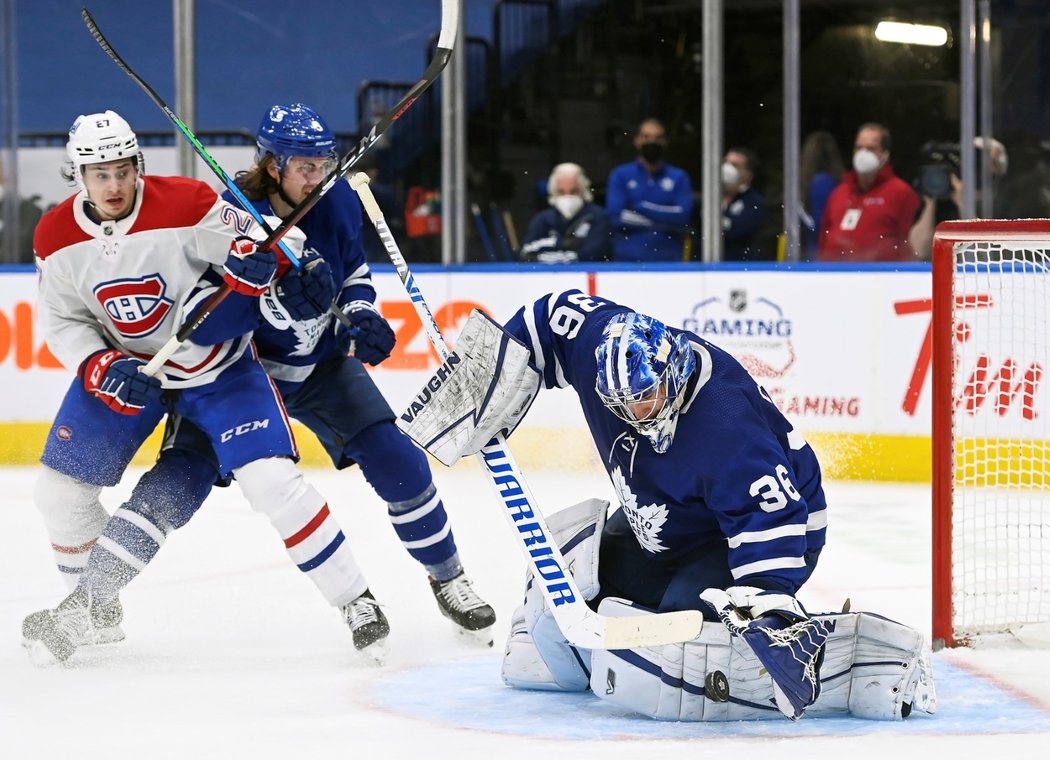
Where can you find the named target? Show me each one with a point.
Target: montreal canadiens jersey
(289, 350)
(736, 469)
(129, 284)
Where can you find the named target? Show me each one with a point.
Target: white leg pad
(537, 655)
(873, 668)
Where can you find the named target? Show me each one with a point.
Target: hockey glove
(783, 637)
(114, 378)
(249, 271)
(309, 292)
(371, 340)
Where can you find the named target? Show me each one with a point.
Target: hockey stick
(442, 54)
(449, 23)
(581, 626)
(166, 351)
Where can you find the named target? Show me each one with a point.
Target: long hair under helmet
(294, 130)
(638, 357)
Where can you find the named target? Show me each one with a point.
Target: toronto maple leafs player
(123, 264)
(721, 509)
(305, 351)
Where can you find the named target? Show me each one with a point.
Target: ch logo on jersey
(137, 306)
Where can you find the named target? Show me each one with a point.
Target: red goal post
(991, 430)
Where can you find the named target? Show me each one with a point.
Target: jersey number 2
(773, 490)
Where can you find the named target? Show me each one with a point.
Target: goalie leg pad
(537, 655)
(485, 387)
(873, 668)
(671, 682)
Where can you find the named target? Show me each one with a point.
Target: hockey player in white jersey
(305, 352)
(123, 264)
(721, 509)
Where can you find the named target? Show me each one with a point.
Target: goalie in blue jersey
(721, 509)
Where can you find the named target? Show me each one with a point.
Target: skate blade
(39, 654)
(375, 654)
(103, 636)
(482, 638)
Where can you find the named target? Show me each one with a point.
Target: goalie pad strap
(484, 387)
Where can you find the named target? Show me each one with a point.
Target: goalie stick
(446, 39)
(581, 626)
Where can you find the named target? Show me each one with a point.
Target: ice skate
(104, 629)
(368, 625)
(54, 635)
(470, 614)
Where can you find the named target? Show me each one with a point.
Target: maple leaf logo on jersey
(137, 306)
(647, 521)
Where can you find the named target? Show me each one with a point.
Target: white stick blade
(652, 630)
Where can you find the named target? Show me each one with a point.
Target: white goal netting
(1000, 568)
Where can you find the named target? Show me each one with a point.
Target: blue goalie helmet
(294, 130)
(639, 361)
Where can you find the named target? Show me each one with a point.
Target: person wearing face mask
(649, 201)
(572, 228)
(870, 213)
(743, 207)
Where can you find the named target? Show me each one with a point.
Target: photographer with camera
(870, 213)
(940, 186)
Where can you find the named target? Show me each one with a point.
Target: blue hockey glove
(114, 378)
(371, 340)
(783, 637)
(247, 270)
(307, 293)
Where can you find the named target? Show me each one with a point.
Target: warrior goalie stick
(446, 39)
(581, 626)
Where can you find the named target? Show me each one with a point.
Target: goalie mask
(642, 373)
(97, 138)
(294, 130)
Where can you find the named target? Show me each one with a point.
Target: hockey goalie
(721, 510)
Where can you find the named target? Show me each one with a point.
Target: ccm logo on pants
(246, 427)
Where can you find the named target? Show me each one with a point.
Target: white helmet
(100, 137)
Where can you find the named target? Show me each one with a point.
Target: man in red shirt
(869, 214)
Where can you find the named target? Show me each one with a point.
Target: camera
(940, 162)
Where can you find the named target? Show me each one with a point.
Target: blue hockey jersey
(332, 228)
(736, 470)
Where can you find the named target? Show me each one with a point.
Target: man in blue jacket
(649, 201)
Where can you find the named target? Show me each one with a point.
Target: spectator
(870, 213)
(743, 207)
(941, 188)
(28, 213)
(573, 228)
(821, 168)
(649, 201)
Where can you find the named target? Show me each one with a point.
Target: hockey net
(991, 431)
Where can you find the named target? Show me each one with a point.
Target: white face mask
(730, 175)
(567, 205)
(866, 161)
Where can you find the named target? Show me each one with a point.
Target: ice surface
(231, 653)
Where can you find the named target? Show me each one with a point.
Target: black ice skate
(458, 601)
(368, 625)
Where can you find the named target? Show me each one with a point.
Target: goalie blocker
(484, 387)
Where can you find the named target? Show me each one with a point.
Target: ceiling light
(911, 34)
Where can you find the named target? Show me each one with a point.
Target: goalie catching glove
(783, 637)
(485, 387)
